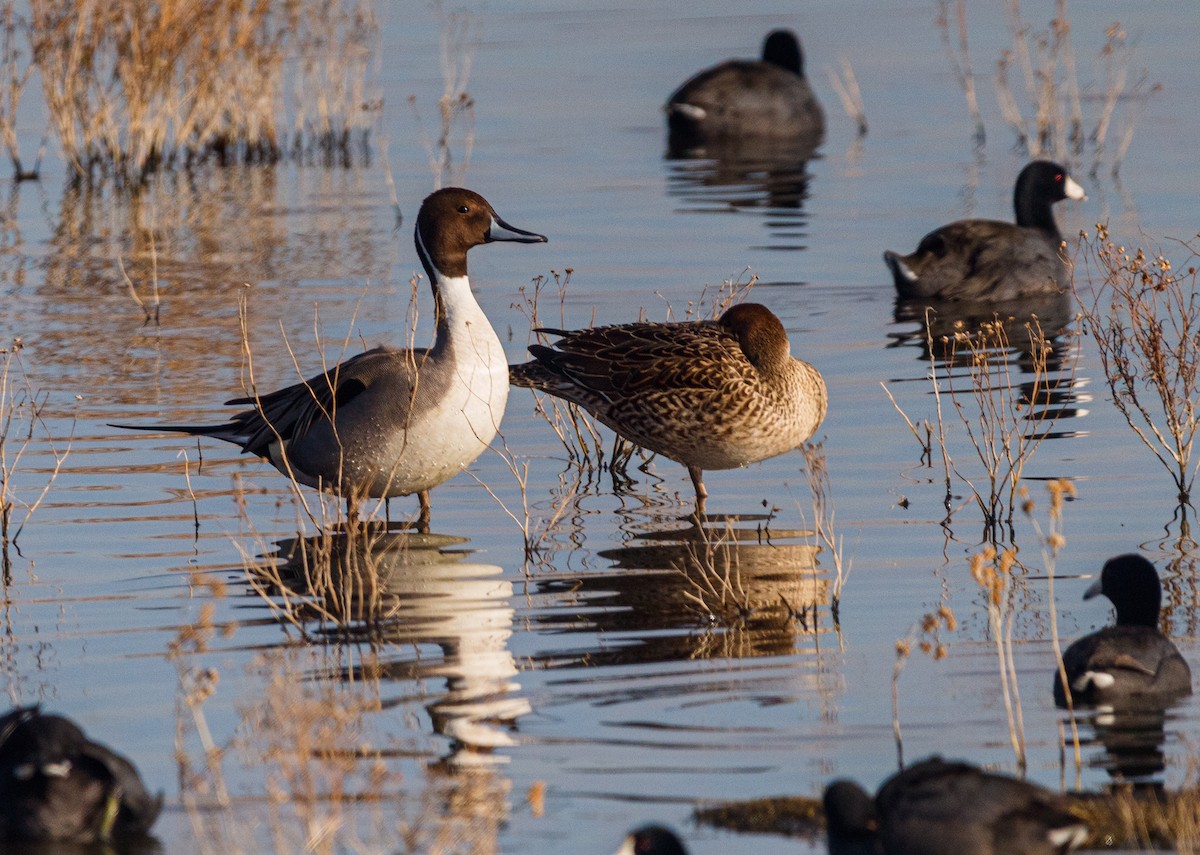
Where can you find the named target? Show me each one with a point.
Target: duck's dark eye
(1058, 177)
(464, 209)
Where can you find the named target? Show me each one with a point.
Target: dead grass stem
(1051, 541)
(846, 86)
(821, 491)
(1144, 314)
(21, 408)
(957, 49)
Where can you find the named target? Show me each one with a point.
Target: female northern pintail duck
(748, 98)
(1131, 661)
(990, 259)
(708, 394)
(652, 840)
(56, 784)
(391, 421)
(947, 808)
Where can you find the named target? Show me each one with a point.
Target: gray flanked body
(392, 421)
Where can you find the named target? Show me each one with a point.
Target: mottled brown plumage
(708, 394)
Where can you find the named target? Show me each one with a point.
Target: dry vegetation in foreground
(1123, 817)
(20, 419)
(1144, 314)
(133, 87)
(1047, 115)
(310, 734)
(1004, 418)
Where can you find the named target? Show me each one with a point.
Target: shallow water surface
(623, 669)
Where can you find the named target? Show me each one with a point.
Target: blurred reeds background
(131, 88)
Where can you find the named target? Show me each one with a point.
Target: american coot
(1131, 661)
(390, 421)
(708, 394)
(743, 98)
(56, 784)
(937, 807)
(989, 259)
(851, 824)
(652, 840)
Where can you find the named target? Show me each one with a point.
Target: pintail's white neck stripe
(435, 275)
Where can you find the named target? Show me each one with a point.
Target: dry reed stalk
(1144, 314)
(960, 58)
(20, 403)
(16, 73)
(1005, 422)
(310, 734)
(848, 92)
(993, 570)
(821, 490)
(1051, 542)
(455, 106)
(713, 571)
(577, 432)
(331, 101)
(319, 755)
(926, 633)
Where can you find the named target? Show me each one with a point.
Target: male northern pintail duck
(56, 784)
(391, 421)
(937, 807)
(990, 259)
(708, 394)
(748, 98)
(652, 840)
(1131, 661)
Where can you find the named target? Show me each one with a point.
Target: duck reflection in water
(717, 592)
(398, 598)
(412, 591)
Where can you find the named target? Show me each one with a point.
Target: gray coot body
(652, 840)
(756, 99)
(56, 784)
(1132, 661)
(851, 825)
(990, 259)
(937, 807)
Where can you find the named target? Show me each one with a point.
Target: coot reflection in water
(768, 176)
(931, 328)
(1131, 741)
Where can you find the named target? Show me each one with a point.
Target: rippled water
(589, 672)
